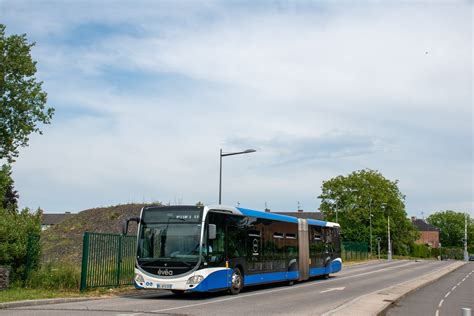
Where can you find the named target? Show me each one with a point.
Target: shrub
(420, 251)
(19, 241)
(57, 277)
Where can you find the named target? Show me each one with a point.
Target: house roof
(424, 226)
(307, 215)
(53, 219)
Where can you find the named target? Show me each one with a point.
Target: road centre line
(447, 294)
(281, 289)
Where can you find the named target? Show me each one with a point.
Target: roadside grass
(21, 294)
(358, 261)
(56, 281)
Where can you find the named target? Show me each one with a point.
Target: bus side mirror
(212, 231)
(125, 224)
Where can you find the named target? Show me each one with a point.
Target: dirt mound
(63, 242)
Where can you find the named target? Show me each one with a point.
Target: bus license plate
(164, 286)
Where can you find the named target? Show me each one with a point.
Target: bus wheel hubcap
(236, 280)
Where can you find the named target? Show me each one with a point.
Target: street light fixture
(248, 151)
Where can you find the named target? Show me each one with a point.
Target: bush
(55, 277)
(420, 251)
(19, 241)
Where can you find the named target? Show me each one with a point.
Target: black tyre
(178, 292)
(237, 282)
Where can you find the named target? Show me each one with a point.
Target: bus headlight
(139, 278)
(195, 279)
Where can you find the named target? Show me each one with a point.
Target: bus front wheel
(237, 282)
(177, 292)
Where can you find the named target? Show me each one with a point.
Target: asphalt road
(312, 297)
(446, 296)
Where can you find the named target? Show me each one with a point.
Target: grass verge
(22, 294)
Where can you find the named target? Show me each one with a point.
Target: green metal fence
(354, 250)
(33, 249)
(107, 260)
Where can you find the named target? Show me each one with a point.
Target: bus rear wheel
(237, 282)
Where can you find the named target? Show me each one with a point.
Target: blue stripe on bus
(317, 222)
(270, 277)
(317, 271)
(268, 215)
(220, 279)
(334, 267)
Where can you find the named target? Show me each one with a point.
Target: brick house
(429, 234)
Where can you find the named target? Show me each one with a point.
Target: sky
(147, 92)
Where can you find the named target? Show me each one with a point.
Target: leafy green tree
(8, 194)
(23, 102)
(451, 225)
(360, 194)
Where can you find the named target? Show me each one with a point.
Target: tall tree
(451, 225)
(23, 102)
(363, 193)
(8, 194)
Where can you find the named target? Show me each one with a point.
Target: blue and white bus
(212, 248)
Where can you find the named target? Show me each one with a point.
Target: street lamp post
(389, 253)
(466, 255)
(370, 224)
(248, 151)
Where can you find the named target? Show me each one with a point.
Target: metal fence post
(119, 259)
(85, 259)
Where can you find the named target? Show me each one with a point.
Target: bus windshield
(169, 235)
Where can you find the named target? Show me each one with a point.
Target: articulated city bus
(200, 249)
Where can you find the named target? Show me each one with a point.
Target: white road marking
(333, 289)
(447, 294)
(278, 290)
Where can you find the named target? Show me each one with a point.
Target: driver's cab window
(216, 247)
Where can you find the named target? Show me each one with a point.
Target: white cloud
(344, 87)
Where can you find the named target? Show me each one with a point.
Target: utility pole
(378, 246)
(466, 255)
(370, 225)
(389, 253)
